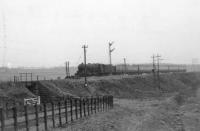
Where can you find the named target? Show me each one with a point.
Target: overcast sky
(50, 32)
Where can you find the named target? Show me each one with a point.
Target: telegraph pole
(85, 67)
(154, 65)
(110, 54)
(158, 71)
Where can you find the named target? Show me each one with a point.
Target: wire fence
(52, 114)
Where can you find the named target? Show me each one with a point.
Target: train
(98, 69)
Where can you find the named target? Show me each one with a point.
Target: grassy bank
(118, 86)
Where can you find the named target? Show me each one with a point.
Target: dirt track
(163, 114)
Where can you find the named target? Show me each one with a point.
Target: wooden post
(26, 117)
(15, 118)
(91, 104)
(59, 113)
(45, 117)
(76, 108)
(108, 102)
(100, 103)
(80, 107)
(53, 114)
(71, 108)
(97, 100)
(105, 105)
(36, 117)
(66, 112)
(103, 102)
(88, 106)
(84, 107)
(112, 101)
(2, 119)
(95, 105)
(6, 109)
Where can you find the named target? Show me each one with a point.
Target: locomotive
(95, 69)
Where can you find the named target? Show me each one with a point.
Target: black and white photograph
(99, 65)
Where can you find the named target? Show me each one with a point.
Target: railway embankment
(129, 86)
(137, 87)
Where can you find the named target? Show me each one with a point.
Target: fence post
(84, 107)
(7, 110)
(98, 103)
(2, 119)
(45, 117)
(112, 101)
(71, 108)
(102, 103)
(59, 113)
(106, 97)
(53, 114)
(88, 106)
(26, 117)
(91, 104)
(76, 108)
(80, 106)
(95, 104)
(15, 118)
(66, 112)
(36, 117)
(108, 102)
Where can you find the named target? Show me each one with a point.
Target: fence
(53, 114)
